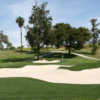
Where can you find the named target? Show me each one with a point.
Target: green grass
(87, 51)
(32, 89)
(77, 63)
(14, 59)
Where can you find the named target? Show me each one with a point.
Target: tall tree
(76, 38)
(41, 26)
(59, 32)
(63, 35)
(20, 22)
(70, 37)
(31, 38)
(95, 34)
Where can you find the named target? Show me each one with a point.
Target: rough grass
(15, 59)
(32, 89)
(87, 51)
(77, 63)
(11, 59)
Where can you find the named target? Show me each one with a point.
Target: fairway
(32, 89)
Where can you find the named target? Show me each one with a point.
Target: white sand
(46, 61)
(52, 73)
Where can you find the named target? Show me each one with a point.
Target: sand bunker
(46, 61)
(52, 73)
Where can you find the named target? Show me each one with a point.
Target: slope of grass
(77, 63)
(31, 89)
(15, 59)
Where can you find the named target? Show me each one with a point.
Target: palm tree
(95, 33)
(20, 22)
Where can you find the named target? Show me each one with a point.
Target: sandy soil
(46, 61)
(52, 73)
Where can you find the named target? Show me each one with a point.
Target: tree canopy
(41, 21)
(95, 34)
(71, 37)
(4, 40)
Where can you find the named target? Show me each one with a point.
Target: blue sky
(76, 12)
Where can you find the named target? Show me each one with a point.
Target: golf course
(49, 50)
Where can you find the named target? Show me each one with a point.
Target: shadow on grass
(17, 60)
(56, 55)
(45, 56)
(25, 51)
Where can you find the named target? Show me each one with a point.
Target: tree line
(41, 32)
(4, 41)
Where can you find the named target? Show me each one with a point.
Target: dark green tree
(76, 38)
(95, 34)
(20, 22)
(71, 38)
(38, 33)
(31, 38)
(63, 36)
(59, 34)
(4, 40)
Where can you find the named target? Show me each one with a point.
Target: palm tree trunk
(21, 40)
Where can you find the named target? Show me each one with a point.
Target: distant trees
(40, 32)
(38, 35)
(70, 37)
(59, 34)
(4, 40)
(20, 22)
(95, 34)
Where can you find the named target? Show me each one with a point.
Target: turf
(76, 63)
(32, 89)
(79, 63)
(15, 59)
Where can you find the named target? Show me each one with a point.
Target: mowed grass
(32, 89)
(76, 63)
(14, 59)
(79, 63)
